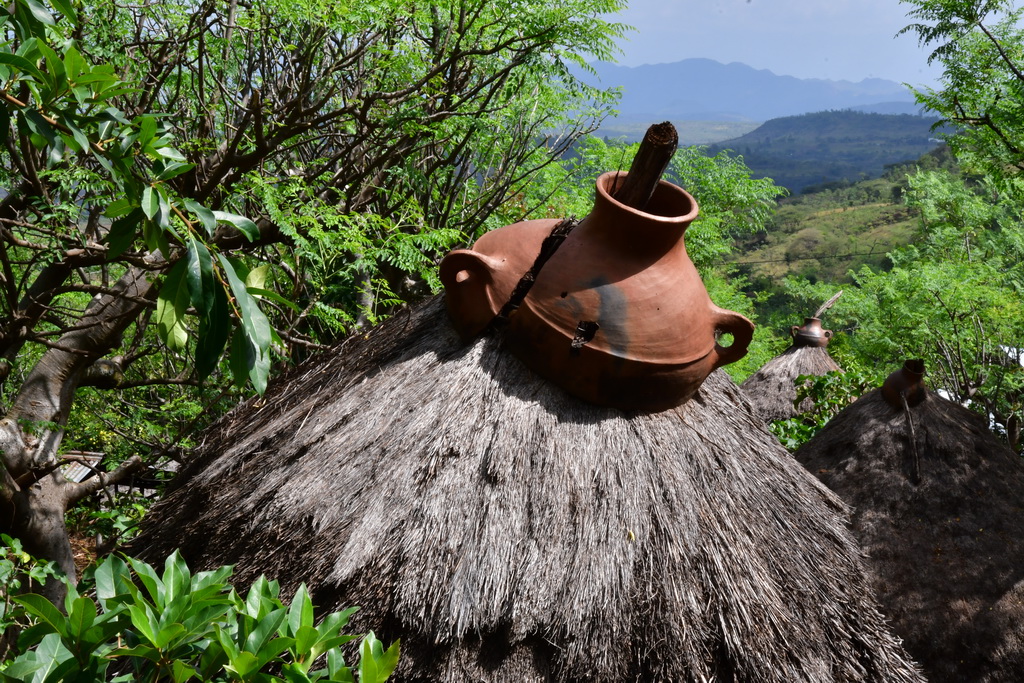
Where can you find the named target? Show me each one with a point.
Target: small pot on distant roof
(907, 382)
(810, 333)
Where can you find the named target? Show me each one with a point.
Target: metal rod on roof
(828, 304)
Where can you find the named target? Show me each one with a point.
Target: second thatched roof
(508, 532)
(939, 510)
(772, 389)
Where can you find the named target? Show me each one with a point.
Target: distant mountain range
(706, 90)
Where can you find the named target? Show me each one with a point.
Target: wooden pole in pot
(651, 160)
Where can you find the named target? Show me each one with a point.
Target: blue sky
(835, 39)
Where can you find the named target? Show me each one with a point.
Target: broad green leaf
(119, 207)
(257, 277)
(383, 663)
(177, 578)
(274, 296)
(148, 576)
(242, 357)
(147, 130)
(55, 67)
(243, 664)
(199, 272)
(76, 133)
(337, 669)
(39, 12)
(174, 169)
(170, 153)
(171, 306)
(213, 334)
(43, 609)
(80, 618)
(74, 63)
(256, 329)
(112, 579)
(166, 635)
(155, 237)
(37, 124)
(244, 225)
(150, 201)
(300, 612)
(144, 621)
(206, 216)
(22, 64)
(266, 628)
(271, 651)
(123, 232)
(181, 672)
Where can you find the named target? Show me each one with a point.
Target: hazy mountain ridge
(706, 90)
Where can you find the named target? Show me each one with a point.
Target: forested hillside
(801, 152)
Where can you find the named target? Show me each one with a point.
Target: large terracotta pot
(617, 316)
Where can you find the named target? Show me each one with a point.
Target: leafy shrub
(829, 393)
(140, 626)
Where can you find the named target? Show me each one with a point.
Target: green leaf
(148, 576)
(300, 612)
(122, 233)
(376, 666)
(241, 358)
(22, 64)
(255, 326)
(40, 12)
(43, 609)
(37, 124)
(181, 672)
(199, 272)
(243, 664)
(171, 306)
(206, 216)
(112, 579)
(265, 629)
(174, 169)
(150, 201)
(80, 618)
(244, 225)
(177, 578)
(274, 296)
(213, 334)
(144, 621)
(147, 130)
(168, 634)
(77, 135)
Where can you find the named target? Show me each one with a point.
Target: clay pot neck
(658, 227)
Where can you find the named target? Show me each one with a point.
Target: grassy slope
(826, 234)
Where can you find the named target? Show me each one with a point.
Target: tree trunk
(34, 495)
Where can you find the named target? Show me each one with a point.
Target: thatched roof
(509, 532)
(772, 389)
(947, 552)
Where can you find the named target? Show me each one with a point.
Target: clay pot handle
(742, 331)
(468, 277)
(794, 331)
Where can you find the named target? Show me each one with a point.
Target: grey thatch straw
(772, 389)
(509, 532)
(947, 553)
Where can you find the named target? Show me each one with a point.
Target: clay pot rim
(607, 183)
